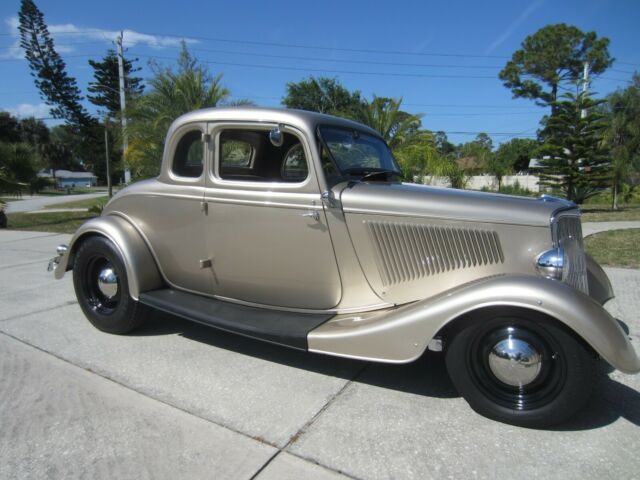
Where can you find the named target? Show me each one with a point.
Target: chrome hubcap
(515, 362)
(108, 282)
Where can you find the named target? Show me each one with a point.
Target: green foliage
(58, 89)
(552, 57)
(575, 161)
(106, 85)
(443, 145)
(515, 189)
(516, 153)
(9, 128)
(416, 156)
(477, 152)
(324, 95)
(384, 115)
(172, 92)
(622, 111)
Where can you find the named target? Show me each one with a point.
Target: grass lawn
(62, 222)
(87, 203)
(603, 213)
(615, 248)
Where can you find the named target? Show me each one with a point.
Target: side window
(249, 155)
(294, 167)
(235, 153)
(187, 159)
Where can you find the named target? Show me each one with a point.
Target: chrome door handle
(314, 214)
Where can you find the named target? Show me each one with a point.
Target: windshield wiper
(381, 173)
(370, 173)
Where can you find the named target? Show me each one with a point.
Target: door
(170, 213)
(266, 231)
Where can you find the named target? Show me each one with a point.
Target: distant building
(68, 179)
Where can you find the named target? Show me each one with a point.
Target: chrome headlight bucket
(551, 263)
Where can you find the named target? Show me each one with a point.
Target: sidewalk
(589, 228)
(38, 202)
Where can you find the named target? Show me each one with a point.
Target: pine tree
(575, 160)
(57, 88)
(106, 85)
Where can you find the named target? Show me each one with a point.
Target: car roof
(298, 118)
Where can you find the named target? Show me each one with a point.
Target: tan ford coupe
(295, 228)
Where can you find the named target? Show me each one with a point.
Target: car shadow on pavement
(426, 376)
(610, 401)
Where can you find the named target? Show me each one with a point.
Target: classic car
(295, 228)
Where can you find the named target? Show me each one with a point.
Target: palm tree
(171, 94)
(384, 115)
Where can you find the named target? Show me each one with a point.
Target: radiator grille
(568, 231)
(406, 252)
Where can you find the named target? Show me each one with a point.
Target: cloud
(40, 110)
(67, 35)
(512, 28)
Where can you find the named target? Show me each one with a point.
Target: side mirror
(276, 136)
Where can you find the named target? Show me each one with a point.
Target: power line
(317, 70)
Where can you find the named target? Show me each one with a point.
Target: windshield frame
(395, 170)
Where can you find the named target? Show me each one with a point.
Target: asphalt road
(178, 400)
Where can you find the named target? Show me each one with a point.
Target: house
(69, 179)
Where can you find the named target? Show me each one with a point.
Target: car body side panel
(170, 218)
(409, 258)
(142, 272)
(401, 335)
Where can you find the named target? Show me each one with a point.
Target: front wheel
(102, 288)
(523, 369)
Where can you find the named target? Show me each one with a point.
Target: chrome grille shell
(567, 232)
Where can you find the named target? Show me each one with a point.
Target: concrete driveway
(178, 400)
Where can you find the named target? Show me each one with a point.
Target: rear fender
(402, 334)
(142, 271)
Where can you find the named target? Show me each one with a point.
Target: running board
(275, 326)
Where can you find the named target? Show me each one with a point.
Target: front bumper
(61, 251)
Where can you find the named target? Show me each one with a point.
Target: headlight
(550, 263)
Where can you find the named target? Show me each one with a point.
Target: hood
(413, 200)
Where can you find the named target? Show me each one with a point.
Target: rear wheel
(102, 288)
(523, 369)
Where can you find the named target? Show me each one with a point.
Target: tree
(416, 156)
(443, 145)
(9, 128)
(622, 111)
(384, 115)
(57, 88)
(324, 95)
(575, 160)
(512, 156)
(477, 153)
(554, 57)
(106, 85)
(172, 92)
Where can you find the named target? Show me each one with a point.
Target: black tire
(118, 313)
(558, 391)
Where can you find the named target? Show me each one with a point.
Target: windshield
(358, 153)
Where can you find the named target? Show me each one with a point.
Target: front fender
(142, 271)
(402, 334)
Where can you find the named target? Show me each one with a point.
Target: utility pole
(585, 86)
(123, 108)
(106, 154)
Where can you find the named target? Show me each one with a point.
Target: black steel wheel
(102, 288)
(520, 368)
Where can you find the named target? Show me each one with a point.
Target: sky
(441, 58)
